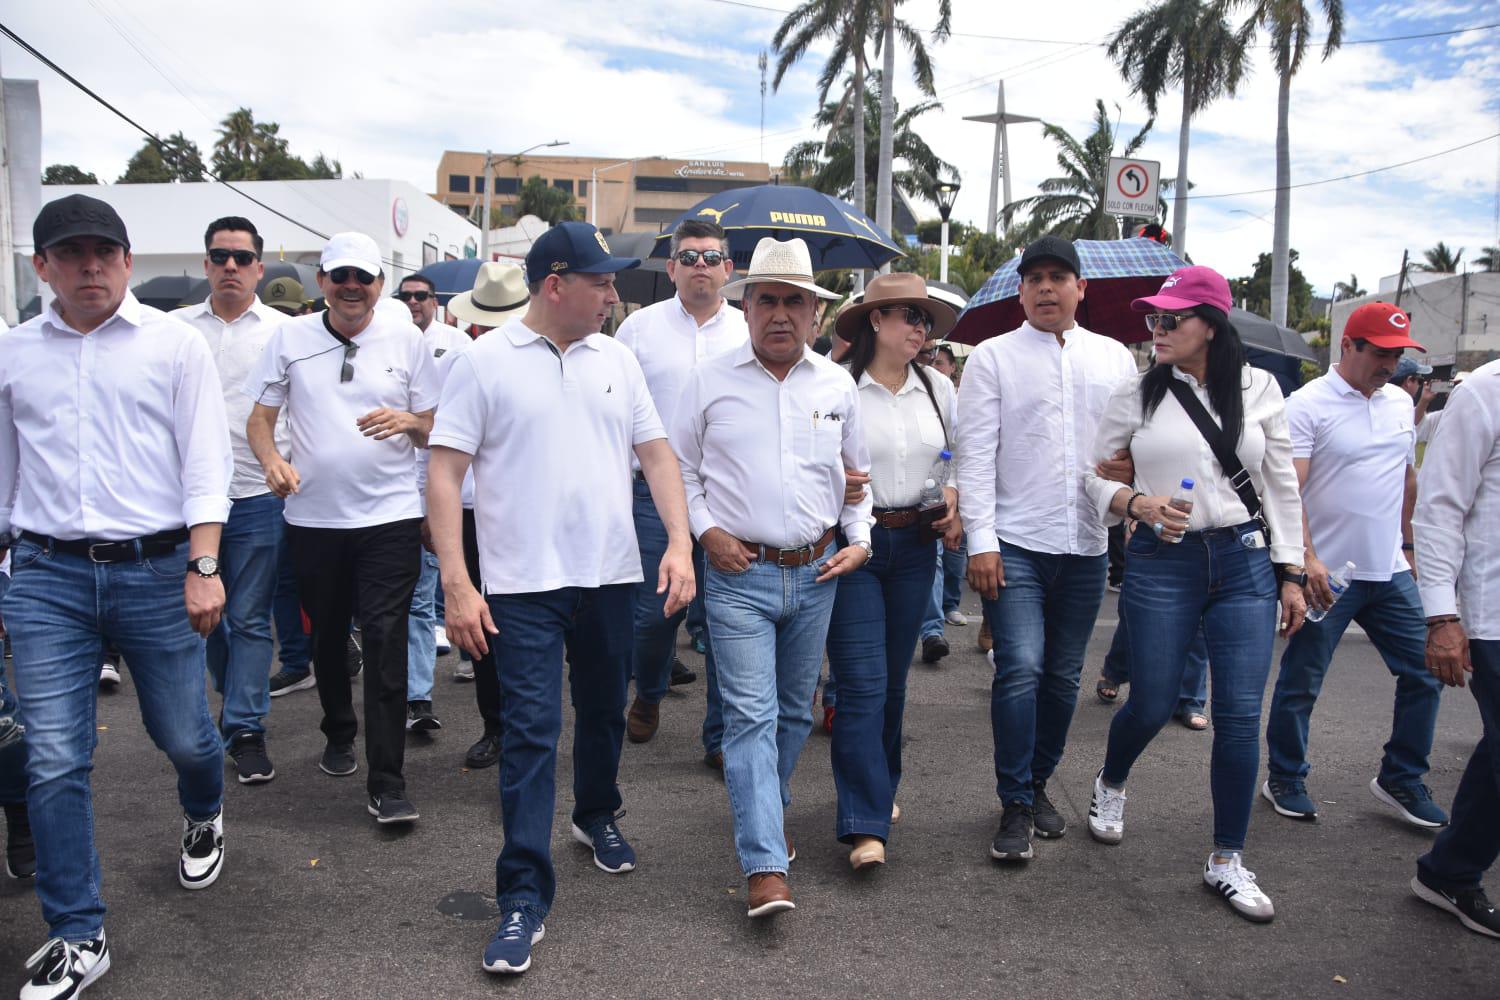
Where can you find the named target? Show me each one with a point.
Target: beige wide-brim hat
(789, 263)
(498, 296)
(896, 289)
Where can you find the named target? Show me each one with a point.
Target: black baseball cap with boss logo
(74, 216)
(576, 248)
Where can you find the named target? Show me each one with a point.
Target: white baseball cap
(350, 250)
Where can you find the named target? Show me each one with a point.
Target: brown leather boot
(769, 894)
(986, 642)
(641, 721)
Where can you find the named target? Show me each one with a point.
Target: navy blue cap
(1406, 368)
(1051, 248)
(573, 248)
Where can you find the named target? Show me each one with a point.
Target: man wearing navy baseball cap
(573, 248)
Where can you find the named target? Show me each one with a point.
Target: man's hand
(427, 537)
(675, 578)
(986, 574)
(1319, 595)
(204, 597)
(1448, 653)
(1410, 556)
(468, 618)
(282, 478)
(725, 552)
(1293, 609)
(1118, 468)
(949, 525)
(854, 486)
(386, 422)
(846, 560)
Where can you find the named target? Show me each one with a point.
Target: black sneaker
(1049, 822)
(339, 760)
(251, 763)
(287, 681)
(484, 753)
(1471, 906)
(60, 970)
(202, 851)
(12, 731)
(392, 807)
(681, 674)
(419, 718)
(354, 655)
(934, 648)
(1013, 839)
(20, 848)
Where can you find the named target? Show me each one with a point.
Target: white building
(1455, 316)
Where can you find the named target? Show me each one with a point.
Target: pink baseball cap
(1186, 288)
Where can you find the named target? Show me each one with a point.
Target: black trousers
(486, 680)
(377, 568)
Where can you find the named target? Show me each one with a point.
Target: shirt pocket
(930, 428)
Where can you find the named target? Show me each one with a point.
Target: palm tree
(1489, 259)
(1072, 205)
(1441, 259)
(236, 148)
(1187, 44)
(1348, 289)
(1289, 24)
(890, 27)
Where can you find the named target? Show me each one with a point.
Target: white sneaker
(202, 851)
(956, 617)
(1237, 885)
(1106, 812)
(444, 647)
(109, 676)
(61, 970)
(463, 670)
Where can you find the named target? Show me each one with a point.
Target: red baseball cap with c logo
(1382, 325)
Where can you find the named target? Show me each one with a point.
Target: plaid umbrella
(1117, 272)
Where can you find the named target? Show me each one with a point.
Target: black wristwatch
(1287, 576)
(204, 566)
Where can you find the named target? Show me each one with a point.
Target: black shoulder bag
(1223, 450)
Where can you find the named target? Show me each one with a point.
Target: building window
(656, 216)
(563, 185)
(458, 183)
(479, 185)
(661, 184)
(583, 189)
(507, 185)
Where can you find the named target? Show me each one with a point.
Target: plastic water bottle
(1182, 499)
(932, 489)
(1338, 582)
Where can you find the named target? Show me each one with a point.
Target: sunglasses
(346, 373)
(913, 315)
(688, 258)
(421, 296)
(339, 275)
(1167, 321)
(243, 258)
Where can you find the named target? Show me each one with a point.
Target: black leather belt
(99, 551)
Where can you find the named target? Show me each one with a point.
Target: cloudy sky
(386, 87)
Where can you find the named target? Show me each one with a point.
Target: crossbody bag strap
(1230, 462)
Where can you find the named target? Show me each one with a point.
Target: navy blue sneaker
(509, 951)
(1413, 802)
(611, 853)
(700, 644)
(1290, 798)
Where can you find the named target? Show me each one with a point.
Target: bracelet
(1443, 620)
(1130, 505)
(1408, 547)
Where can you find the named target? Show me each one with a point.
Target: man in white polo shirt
(549, 412)
(360, 388)
(669, 339)
(764, 434)
(1354, 445)
(236, 325)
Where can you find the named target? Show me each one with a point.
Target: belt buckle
(92, 557)
(785, 554)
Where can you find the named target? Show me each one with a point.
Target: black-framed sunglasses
(346, 373)
(689, 258)
(1167, 321)
(420, 296)
(243, 258)
(339, 275)
(914, 316)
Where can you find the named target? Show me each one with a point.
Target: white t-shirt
(348, 480)
(446, 343)
(552, 435)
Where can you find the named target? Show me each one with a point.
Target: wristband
(1130, 505)
(1433, 623)
(1408, 547)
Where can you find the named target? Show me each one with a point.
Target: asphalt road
(317, 901)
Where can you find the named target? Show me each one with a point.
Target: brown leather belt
(897, 517)
(800, 556)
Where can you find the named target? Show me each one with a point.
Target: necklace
(894, 390)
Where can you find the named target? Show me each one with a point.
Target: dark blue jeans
(593, 628)
(1468, 846)
(239, 651)
(1042, 622)
(13, 757)
(655, 633)
(294, 648)
(1217, 583)
(1194, 693)
(871, 637)
(947, 587)
(1391, 615)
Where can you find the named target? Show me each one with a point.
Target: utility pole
(484, 217)
(1001, 172)
(9, 309)
(1401, 279)
(762, 63)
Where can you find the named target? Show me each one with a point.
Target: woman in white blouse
(1218, 566)
(908, 420)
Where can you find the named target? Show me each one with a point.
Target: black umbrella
(645, 284)
(166, 291)
(1259, 333)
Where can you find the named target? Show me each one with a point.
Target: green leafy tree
(238, 147)
(1186, 44)
(1348, 289)
(248, 150)
(176, 158)
(1441, 259)
(1255, 291)
(67, 173)
(551, 205)
(1489, 259)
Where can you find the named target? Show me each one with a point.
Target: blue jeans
(871, 637)
(13, 757)
(421, 641)
(1194, 693)
(60, 611)
(655, 633)
(1216, 583)
(1045, 612)
(1391, 615)
(769, 625)
(294, 648)
(947, 587)
(1468, 846)
(239, 651)
(593, 627)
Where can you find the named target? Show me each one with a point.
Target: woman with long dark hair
(908, 418)
(1218, 567)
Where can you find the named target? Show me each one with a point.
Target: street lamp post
(945, 196)
(489, 187)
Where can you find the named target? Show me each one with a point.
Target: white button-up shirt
(551, 434)
(1026, 421)
(669, 344)
(236, 347)
(905, 435)
(112, 434)
(1458, 509)
(764, 458)
(445, 344)
(1169, 448)
(1358, 451)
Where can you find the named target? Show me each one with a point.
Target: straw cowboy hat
(499, 295)
(897, 289)
(788, 263)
